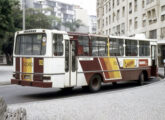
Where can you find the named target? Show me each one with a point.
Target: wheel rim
(95, 83)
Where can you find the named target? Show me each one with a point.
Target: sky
(89, 5)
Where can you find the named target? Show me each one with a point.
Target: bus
(51, 58)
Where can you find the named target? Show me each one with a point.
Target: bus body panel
(81, 80)
(54, 67)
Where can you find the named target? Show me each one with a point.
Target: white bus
(52, 58)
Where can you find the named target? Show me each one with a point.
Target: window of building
(116, 47)
(136, 23)
(143, 3)
(58, 44)
(153, 34)
(109, 31)
(163, 17)
(130, 24)
(163, 8)
(162, 36)
(154, 16)
(113, 3)
(118, 2)
(118, 30)
(118, 14)
(99, 46)
(98, 24)
(123, 28)
(109, 19)
(114, 16)
(106, 7)
(144, 20)
(130, 7)
(144, 48)
(103, 23)
(83, 46)
(109, 5)
(123, 12)
(131, 48)
(135, 5)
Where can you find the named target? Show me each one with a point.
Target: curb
(161, 76)
(5, 83)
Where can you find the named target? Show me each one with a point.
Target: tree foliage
(73, 26)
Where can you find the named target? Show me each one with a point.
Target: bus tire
(141, 79)
(95, 83)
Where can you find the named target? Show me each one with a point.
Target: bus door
(70, 63)
(154, 60)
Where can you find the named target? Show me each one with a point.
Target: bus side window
(144, 48)
(83, 46)
(58, 44)
(116, 47)
(131, 48)
(99, 46)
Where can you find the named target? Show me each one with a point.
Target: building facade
(92, 24)
(131, 17)
(61, 10)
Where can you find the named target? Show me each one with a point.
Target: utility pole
(23, 7)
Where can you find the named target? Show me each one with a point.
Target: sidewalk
(139, 103)
(5, 74)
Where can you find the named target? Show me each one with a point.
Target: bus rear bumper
(32, 83)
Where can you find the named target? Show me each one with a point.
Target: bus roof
(83, 34)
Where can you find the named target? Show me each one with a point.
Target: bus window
(99, 46)
(83, 46)
(58, 44)
(131, 48)
(116, 47)
(144, 48)
(31, 44)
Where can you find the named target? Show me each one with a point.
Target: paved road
(17, 94)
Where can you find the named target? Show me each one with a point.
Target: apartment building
(131, 17)
(61, 10)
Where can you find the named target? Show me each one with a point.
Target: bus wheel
(141, 79)
(95, 83)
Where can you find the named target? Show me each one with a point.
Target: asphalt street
(19, 94)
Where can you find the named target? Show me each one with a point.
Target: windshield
(30, 44)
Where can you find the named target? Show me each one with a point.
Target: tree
(73, 26)
(6, 21)
(36, 19)
(9, 23)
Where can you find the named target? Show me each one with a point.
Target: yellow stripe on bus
(112, 64)
(27, 68)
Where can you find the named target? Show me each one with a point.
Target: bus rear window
(31, 44)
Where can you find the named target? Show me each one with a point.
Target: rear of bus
(33, 58)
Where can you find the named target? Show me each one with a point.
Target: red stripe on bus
(17, 67)
(104, 67)
(38, 68)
